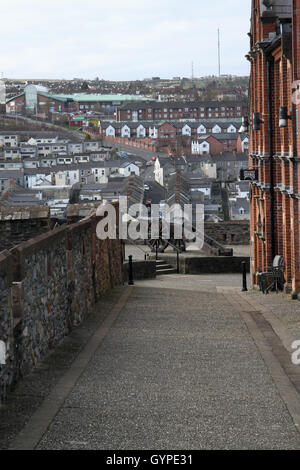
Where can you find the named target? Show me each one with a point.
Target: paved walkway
(180, 362)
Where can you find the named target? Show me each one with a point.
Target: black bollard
(244, 289)
(156, 250)
(145, 257)
(130, 276)
(177, 262)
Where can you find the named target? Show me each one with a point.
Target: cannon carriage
(161, 243)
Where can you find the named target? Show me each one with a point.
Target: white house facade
(125, 131)
(127, 168)
(141, 131)
(186, 130)
(200, 147)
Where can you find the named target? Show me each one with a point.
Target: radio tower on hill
(219, 54)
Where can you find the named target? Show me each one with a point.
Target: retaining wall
(229, 233)
(47, 286)
(206, 264)
(141, 270)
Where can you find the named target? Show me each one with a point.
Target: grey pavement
(284, 310)
(180, 367)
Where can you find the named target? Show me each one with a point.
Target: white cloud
(121, 40)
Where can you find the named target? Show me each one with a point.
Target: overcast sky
(122, 39)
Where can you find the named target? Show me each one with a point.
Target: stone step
(162, 267)
(159, 272)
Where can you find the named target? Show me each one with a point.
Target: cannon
(160, 244)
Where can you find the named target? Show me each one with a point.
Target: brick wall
(277, 232)
(144, 144)
(47, 286)
(183, 110)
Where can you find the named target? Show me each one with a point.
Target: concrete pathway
(180, 362)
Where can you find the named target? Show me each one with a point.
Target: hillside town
(123, 138)
(149, 231)
(50, 168)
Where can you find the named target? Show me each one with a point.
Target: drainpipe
(270, 60)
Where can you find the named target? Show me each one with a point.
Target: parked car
(122, 154)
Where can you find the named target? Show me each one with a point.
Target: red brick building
(274, 144)
(157, 111)
(167, 131)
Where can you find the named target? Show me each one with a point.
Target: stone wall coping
(24, 212)
(83, 224)
(229, 222)
(5, 263)
(41, 241)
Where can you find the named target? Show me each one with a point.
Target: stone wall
(189, 264)
(79, 211)
(18, 224)
(229, 233)
(47, 287)
(141, 270)
(6, 325)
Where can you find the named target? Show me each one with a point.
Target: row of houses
(155, 110)
(67, 175)
(14, 148)
(167, 129)
(203, 137)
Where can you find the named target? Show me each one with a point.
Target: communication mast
(219, 54)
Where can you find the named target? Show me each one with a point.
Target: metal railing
(137, 246)
(178, 251)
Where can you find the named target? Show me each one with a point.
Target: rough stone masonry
(47, 286)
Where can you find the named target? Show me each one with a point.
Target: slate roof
(19, 196)
(240, 203)
(72, 167)
(11, 174)
(181, 124)
(91, 187)
(230, 157)
(243, 185)
(218, 136)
